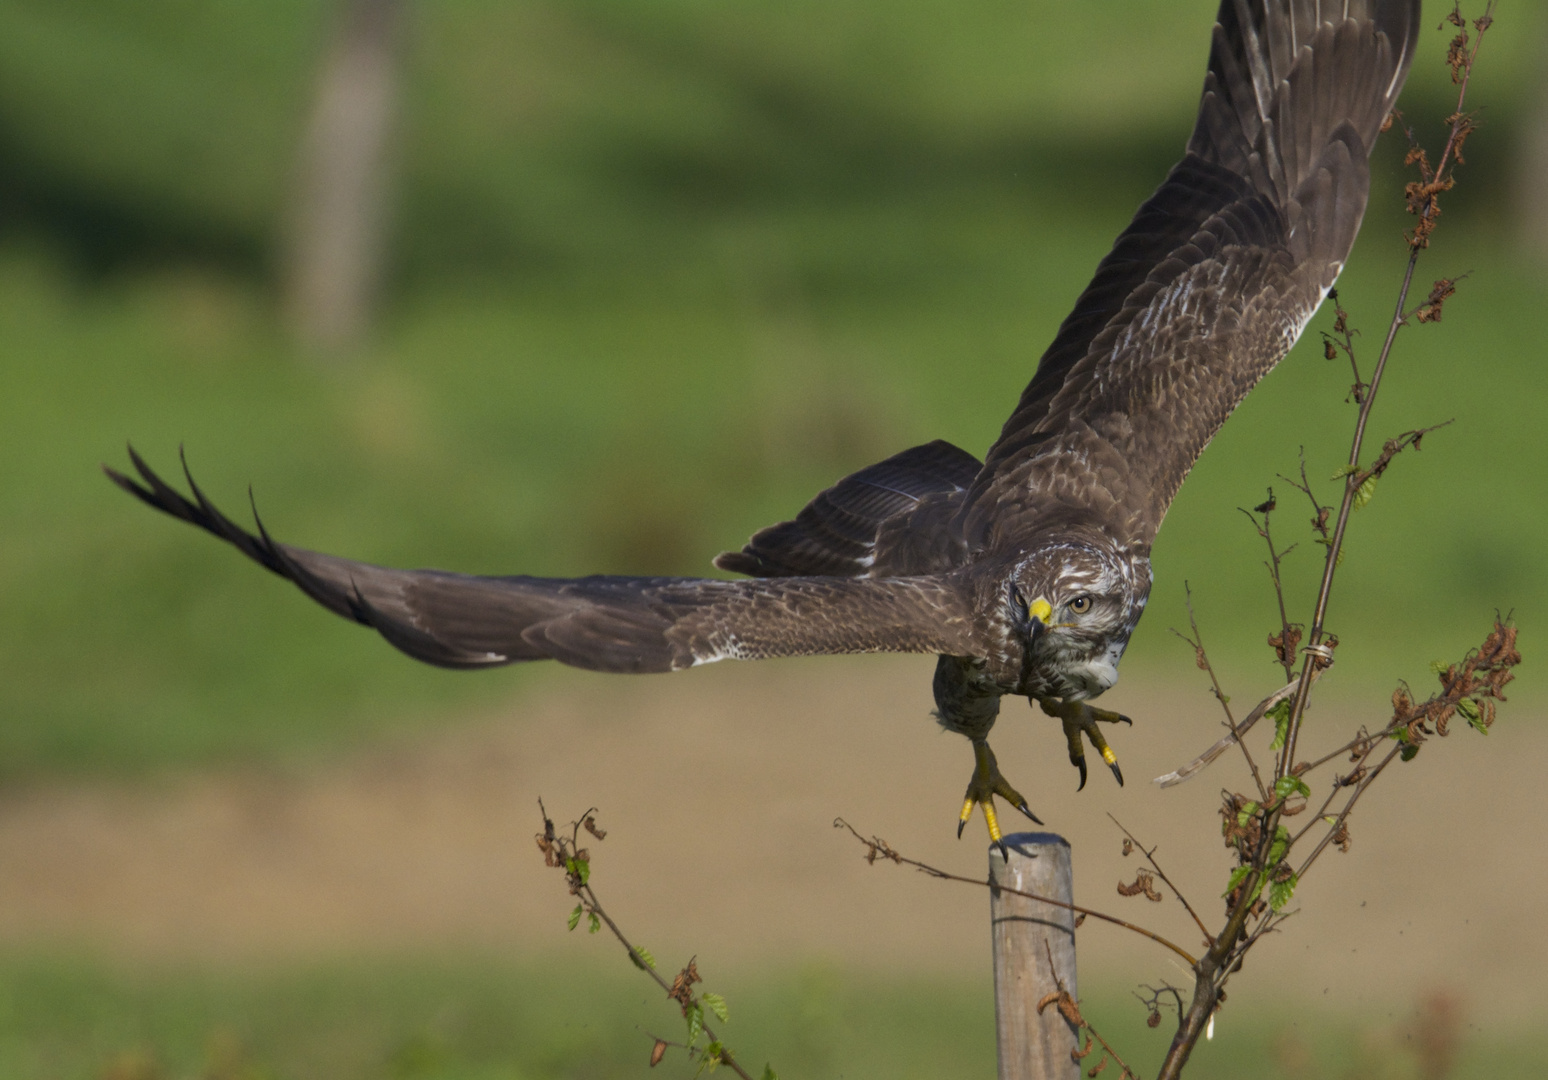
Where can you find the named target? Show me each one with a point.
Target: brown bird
(1025, 572)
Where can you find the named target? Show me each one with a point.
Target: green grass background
(661, 270)
(459, 1017)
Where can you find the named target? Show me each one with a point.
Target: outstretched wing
(1214, 279)
(603, 623)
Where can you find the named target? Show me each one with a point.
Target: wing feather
(1214, 279)
(887, 520)
(621, 624)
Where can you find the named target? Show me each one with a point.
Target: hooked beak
(1039, 612)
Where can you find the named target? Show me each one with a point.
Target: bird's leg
(981, 790)
(1078, 717)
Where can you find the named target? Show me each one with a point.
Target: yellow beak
(1041, 610)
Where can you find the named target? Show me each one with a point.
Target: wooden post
(1026, 932)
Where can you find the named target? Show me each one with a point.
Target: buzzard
(1025, 572)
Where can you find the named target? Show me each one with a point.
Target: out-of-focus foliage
(663, 270)
(414, 1019)
(573, 130)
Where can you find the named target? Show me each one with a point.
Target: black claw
(960, 826)
(1004, 851)
(1125, 720)
(1081, 764)
(1028, 811)
(1117, 772)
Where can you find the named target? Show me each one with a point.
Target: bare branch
(877, 848)
(1070, 1009)
(1201, 658)
(1150, 857)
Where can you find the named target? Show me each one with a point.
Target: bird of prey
(1026, 572)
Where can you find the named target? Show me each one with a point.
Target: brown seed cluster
(1470, 688)
(682, 986)
(1284, 643)
(1242, 837)
(1144, 884)
(548, 844)
(1430, 310)
(1067, 1008)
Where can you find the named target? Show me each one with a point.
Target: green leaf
(712, 1056)
(581, 868)
(1287, 786)
(1365, 492)
(1280, 714)
(1281, 844)
(1245, 814)
(575, 917)
(596, 924)
(1409, 752)
(716, 1004)
(1439, 667)
(1329, 543)
(642, 959)
(695, 1017)
(1281, 891)
(768, 1073)
(1238, 876)
(1345, 470)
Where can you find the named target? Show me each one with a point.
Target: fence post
(1025, 933)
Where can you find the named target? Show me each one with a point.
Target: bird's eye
(1080, 605)
(1019, 605)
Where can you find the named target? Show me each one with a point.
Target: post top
(1026, 842)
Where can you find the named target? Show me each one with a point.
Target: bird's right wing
(621, 624)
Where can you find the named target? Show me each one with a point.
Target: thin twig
(1320, 513)
(1070, 1009)
(1322, 811)
(1344, 814)
(1287, 637)
(879, 848)
(1202, 659)
(1150, 857)
(588, 898)
(1342, 750)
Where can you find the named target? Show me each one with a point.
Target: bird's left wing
(621, 624)
(1214, 279)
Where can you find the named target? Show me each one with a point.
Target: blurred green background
(656, 272)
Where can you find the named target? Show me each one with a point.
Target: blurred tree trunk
(1532, 164)
(335, 241)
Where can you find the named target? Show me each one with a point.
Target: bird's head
(1073, 607)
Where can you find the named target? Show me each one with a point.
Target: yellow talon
(992, 821)
(983, 787)
(1079, 717)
